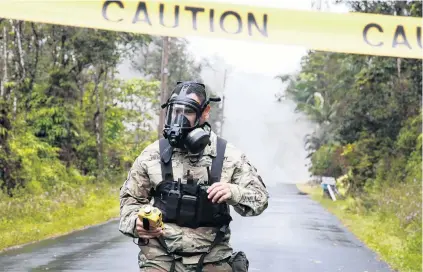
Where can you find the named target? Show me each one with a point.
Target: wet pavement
(297, 234)
(293, 234)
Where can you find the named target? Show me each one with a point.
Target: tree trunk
(101, 122)
(20, 65)
(37, 57)
(399, 67)
(98, 121)
(7, 165)
(17, 29)
(5, 59)
(398, 12)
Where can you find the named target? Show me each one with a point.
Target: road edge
(58, 235)
(308, 189)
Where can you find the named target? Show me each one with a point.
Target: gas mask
(182, 122)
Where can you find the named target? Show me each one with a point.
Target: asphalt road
(294, 234)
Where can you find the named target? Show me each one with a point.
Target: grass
(399, 246)
(30, 218)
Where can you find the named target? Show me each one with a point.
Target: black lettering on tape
(252, 20)
(419, 36)
(176, 12)
(238, 18)
(211, 19)
(194, 15)
(366, 29)
(400, 32)
(141, 7)
(106, 5)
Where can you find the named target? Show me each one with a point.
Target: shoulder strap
(166, 159)
(217, 239)
(217, 163)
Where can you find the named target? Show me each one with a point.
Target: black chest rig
(187, 204)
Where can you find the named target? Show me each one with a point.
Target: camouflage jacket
(249, 198)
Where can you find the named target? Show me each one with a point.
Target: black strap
(217, 163)
(166, 151)
(163, 243)
(217, 239)
(216, 172)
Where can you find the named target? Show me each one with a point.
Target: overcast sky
(257, 57)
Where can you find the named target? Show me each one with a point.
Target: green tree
(363, 101)
(58, 92)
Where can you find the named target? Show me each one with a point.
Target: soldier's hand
(147, 234)
(219, 192)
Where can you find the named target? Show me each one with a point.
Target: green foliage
(33, 217)
(325, 161)
(40, 165)
(65, 119)
(66, 128)
(383, 229)
(368, 112)
(369, 103)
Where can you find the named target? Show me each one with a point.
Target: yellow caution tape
(357, 33)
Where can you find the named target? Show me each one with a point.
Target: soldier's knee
(147, 265)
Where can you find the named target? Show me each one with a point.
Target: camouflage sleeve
(133, 194)
(249, 194)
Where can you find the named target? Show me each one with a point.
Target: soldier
(192, 176)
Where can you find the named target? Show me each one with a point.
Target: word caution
(356, 33)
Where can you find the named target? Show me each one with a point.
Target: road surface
(294, 234)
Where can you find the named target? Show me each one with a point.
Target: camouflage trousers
(238, 262)
(153, 258)
(222, 266)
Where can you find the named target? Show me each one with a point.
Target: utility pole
(163, 84)
(223, 101)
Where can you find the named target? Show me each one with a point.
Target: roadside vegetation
(369, 137)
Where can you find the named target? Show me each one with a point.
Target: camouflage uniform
(249, 198)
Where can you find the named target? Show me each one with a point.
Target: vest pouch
(207, 210)
(223, 216)
(167, 199)
(172, 206)
(187, 211)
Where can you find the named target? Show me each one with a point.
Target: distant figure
(329, 187)
(325, 190)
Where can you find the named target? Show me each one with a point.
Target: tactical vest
(187, 204)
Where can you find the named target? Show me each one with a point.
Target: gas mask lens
(182, 116)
